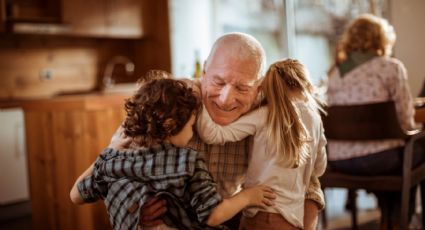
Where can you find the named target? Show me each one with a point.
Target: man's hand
(119, 140)
(152, 211)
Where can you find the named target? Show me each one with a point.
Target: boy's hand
(152, 211)
(260, 195)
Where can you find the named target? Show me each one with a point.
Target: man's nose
(226, 95)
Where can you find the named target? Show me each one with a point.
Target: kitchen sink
(129, 88)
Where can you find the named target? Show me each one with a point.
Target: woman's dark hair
(159, 109)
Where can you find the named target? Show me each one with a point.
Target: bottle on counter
(198, 70)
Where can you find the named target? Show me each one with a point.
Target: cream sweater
(291, 185)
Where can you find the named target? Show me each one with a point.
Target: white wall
(408, 17)
(191, 25)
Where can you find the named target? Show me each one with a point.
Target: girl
(289, 145)
(159, 121)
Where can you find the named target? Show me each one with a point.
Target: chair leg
(404, 218)
(422, 187)
(352, 196)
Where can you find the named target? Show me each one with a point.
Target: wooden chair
(376, 121)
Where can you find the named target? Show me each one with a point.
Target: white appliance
(13, 158)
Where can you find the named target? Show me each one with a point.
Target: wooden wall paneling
(124, 19)
(38, 138)
(71, 69)
(154, 51)
(109, 49)
(2, 15)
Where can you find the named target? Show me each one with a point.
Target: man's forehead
(237, 80)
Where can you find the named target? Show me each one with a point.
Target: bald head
(241, 47)
(230, 77)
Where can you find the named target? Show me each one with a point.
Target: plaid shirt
(227, 163)
(125, 179)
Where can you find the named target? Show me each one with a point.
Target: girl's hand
(260, 195)
(120, 140)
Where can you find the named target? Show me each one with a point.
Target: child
(289, 144)
(159, 120)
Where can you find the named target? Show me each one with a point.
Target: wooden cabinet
(43, 11)
(64, 136)
(124, 18)
(85, 18)
(104, 18)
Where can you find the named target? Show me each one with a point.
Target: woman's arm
(248, 124)
(260, 195)
(400, 93)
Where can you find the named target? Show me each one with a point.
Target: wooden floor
(368, 216)
(18, 217)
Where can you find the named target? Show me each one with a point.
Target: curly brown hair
(368, 33)
(159, 109)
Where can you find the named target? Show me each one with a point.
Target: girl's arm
(260, 195)
(75, 194)
(248, 124)
(207, 203)
(315, 197)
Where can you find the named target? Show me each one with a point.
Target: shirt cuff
(315, 193)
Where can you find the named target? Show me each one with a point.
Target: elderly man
(229, 87)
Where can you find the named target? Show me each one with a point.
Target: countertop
(89, 101)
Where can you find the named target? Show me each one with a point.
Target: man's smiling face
(229, 87)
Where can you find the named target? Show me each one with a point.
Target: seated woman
(365, 73)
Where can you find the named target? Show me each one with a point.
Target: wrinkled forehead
(234, 67)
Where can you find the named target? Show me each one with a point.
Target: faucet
(107, 80)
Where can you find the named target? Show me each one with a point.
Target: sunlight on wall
(191, 32)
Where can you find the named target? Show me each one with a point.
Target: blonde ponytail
(285, 129)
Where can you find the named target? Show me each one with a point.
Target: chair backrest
(375, 121)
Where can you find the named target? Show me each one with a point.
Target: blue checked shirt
(126, 179)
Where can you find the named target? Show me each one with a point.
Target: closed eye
(243, 89)
(218, 82)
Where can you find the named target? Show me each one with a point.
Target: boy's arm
(75, 194)
(255, 196)
(246, 125)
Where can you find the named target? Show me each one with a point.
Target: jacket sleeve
(314, 190)
(204, 195)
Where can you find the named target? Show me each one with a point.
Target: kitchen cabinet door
(104, 18)
(123, 18)
(85, 17)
